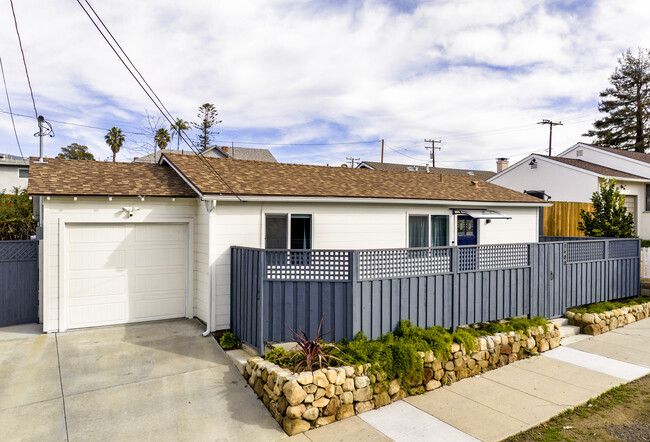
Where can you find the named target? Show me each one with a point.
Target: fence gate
(18, 282)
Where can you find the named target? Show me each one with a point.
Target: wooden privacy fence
(562, 218)
(18, 282)
(371, 290)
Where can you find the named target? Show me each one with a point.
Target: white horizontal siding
(342, 226)
(98, 210)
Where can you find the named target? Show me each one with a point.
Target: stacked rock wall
(300, 401)
(597, 323)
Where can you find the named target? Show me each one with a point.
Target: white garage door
(118, 273)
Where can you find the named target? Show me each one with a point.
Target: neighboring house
(575, 174)
(14, 172)
(478, 174)
(238, 153)
(129, 242)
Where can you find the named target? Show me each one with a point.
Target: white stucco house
(14, 172)
(575, 174)
(130, 242)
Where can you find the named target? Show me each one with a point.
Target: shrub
(275, 355)
(602, 307)
(229, 341)
(310, 353)
(645, 243)
(16, 221)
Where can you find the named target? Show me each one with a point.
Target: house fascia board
(309, 199)
(604, 152)
(189, 183)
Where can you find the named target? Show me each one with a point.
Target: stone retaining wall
(597, 323)
(301, 401)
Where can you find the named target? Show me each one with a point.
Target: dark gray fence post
(354, 311)
(455, 288)
(263, 319)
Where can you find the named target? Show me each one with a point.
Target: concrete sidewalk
(503, 402)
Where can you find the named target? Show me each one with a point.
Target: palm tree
(161, 138)
(114, 138)
(179, 126)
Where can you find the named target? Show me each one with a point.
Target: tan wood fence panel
(562, 219)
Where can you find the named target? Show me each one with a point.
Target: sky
(476, 74)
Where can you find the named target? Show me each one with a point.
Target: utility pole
(433, 150)
(351, 160)
(44, 128)
(550, 132)
(382, 150)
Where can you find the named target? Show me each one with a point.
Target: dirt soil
(620, 414)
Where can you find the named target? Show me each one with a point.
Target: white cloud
(298, 71)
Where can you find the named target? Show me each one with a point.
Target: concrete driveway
(153, 381)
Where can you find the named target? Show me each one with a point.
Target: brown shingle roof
(82, 177)
(639, 156)
(255, 178)
(476, 174)
(601, 170)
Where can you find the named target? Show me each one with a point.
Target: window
(23, 173)
(418, 231)
(282, 234)
(439, 230)
(428, 231)
(647, 197)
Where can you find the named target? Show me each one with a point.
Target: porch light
(110, 198)
(75, 198)
(533, 164)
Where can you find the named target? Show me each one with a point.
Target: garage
(125, 272)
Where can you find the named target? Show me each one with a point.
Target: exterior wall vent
(579, 153)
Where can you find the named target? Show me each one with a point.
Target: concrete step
(239, 358)
(560, 322)
(569, 330)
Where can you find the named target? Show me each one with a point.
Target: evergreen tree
(610, 218)
(75, 152)
(626, 104)
(208, 115)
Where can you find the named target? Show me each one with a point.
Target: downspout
(209, 206)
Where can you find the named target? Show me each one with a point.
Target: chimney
(502, 164)
(225, 149)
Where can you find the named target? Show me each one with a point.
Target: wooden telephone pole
(433, 150)
(550, 132)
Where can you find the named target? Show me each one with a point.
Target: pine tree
(610, 218)
(208, 115)
(626, 104)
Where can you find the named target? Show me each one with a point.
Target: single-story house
(376, 165)
(237, 153)
(14, 172)
(575, 174)
(130, 242)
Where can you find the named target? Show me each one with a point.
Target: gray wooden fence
(371, 290)
(18, 282)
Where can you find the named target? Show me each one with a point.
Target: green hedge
(602, 307)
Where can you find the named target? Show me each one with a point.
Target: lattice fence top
(493, 257)
(315, 265)
(498, 256)
(585, 251)
(403, 263)
(18, 250)
(625, 248)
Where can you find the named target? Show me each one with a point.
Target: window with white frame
(428, 230)
(23, 173)
(293, 231)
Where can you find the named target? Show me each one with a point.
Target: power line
(71, 124)
(342, 143)
(550, 133)
(20, 43)
(13, 123)
(159, 105)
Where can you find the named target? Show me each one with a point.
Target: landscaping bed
(621, 414)
(410, 361)
(601, 317)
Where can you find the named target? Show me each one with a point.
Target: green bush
(602, 307)
(645, 243)
(275, 355)
(16, 221)
(229, 341)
